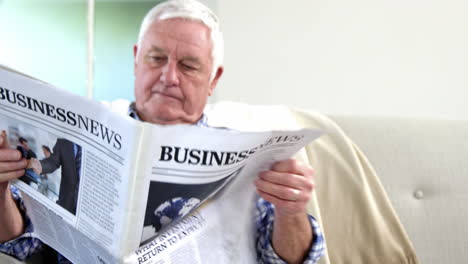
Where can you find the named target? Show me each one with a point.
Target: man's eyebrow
(187, 58)
(157, 49)
(191, 59)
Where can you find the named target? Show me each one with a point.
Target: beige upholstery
(423, 165)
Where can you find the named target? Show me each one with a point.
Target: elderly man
(178, 62)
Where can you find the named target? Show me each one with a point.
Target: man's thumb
(4, 140)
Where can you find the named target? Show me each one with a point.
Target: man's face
(172, 72)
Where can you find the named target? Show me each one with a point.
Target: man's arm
(292, 237)
(15, 228)
(288, 186)
(11, 220)
(12, 166)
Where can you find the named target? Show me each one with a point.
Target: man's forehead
(181, 30)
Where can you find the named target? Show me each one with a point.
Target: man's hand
(288, 186)
(35, 165)
(12, 166)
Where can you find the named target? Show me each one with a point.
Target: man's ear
(135, 53)
(214, 82)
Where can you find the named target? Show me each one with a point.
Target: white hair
(192, 10)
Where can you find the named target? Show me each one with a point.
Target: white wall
(46, 40)
(365, 57)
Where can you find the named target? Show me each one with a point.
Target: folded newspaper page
(103, 188)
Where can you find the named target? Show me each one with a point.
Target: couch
(421, 167)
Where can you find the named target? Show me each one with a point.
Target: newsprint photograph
(169, 202)
(54, 164)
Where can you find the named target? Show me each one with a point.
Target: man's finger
(4, 140)
(292, 166)
(9, 166)
(7, 176)
(275, 200)
(281, 192)
(286, 207)
(10, 155)
(287, 179)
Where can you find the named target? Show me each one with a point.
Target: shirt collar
(132, 112)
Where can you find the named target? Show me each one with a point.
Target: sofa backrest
(423, 165)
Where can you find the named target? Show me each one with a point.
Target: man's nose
(170, 75)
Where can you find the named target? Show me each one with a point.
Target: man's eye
(187, 67)
(157, 58)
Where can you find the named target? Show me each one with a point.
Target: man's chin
(166, 117)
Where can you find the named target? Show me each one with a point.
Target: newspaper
(112, 189)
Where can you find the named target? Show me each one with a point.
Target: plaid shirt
(264, 224)
(27, 245)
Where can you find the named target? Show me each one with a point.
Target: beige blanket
(357, 218)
